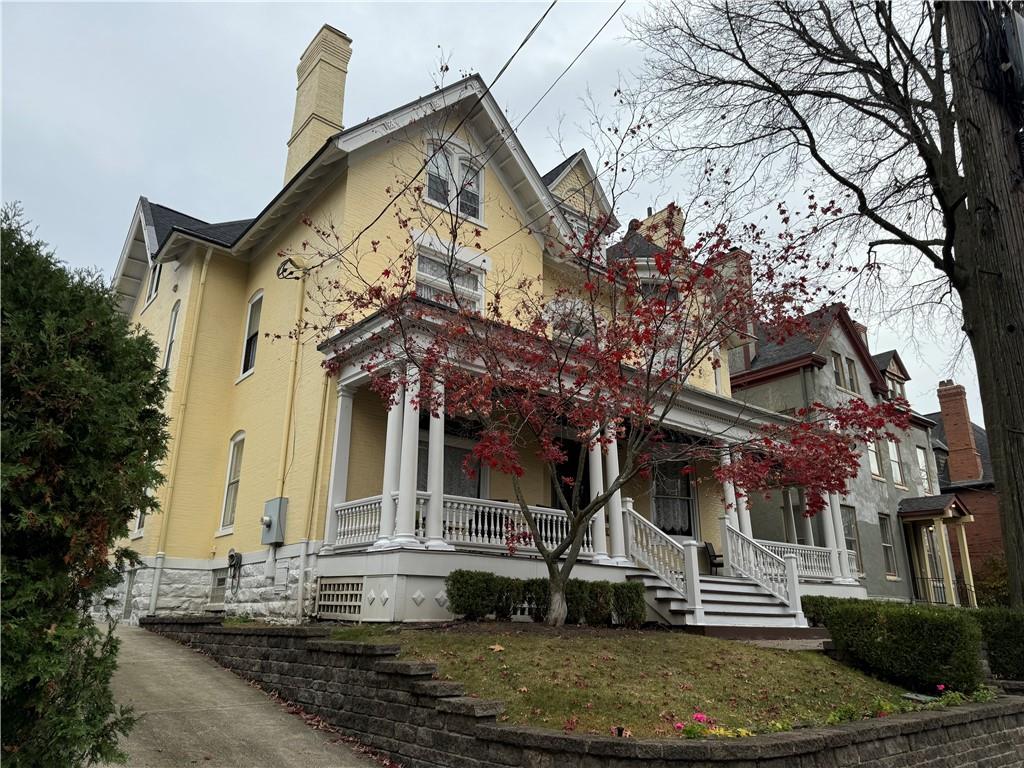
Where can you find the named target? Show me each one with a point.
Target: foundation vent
(339, 598)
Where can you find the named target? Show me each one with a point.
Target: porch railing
(749, 558)
(811, 562)
(661, 554)
(466, 523)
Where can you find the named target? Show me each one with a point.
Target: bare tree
(914, 113)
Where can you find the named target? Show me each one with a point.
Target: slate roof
(165, 219)
(796, 346)
(940, 442)
(635, 245)
(936, 503)
(882, 359)
(549, 177)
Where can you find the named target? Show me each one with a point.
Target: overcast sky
(191, 106)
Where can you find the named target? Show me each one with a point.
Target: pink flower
(700, 717)
(679, 726)
(940, 687)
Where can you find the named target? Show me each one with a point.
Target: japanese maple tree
(606, 352)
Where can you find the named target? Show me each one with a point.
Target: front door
(675, 508)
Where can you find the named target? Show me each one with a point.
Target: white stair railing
(652, 548)
(745, 556)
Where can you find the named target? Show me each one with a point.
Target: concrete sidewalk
(194, 712)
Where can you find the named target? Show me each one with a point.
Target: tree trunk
(557, 608)
(989, 253)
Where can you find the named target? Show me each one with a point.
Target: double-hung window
(874, 459)
(837, 370)
(227, 519)
(888, 549)
(154, 280)
(252, 333)
(923, 470)
(445, 279)
(853, 382)
(896, 464)
(852, 540)
(454, 179)
(172, 332)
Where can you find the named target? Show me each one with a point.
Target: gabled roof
(555, 174)
(885, 361)
(939, 442)
(939, 505)
(166, 220)
(806, 348)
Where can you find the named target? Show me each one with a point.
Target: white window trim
(243, 371)
(172, 329)
(880, 475)
(153, 286)
(441, 284)
(458, 153)
(895, 574)
(238, 437)
(894, 451)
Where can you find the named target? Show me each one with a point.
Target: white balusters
(651, 547)
(812, 562)
(358, 521)
(749, 558)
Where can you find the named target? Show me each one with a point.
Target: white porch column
(806, 528)
(392, 459)
(965, 564)
(946, 563)
(616, 531)
(840, 534)
(435, 475)
(337, 489)
(743, 513)
(405, 515)
(597, 522)
(729, 492)
(830, 541)
(788, 518)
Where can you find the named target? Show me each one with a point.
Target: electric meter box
(275, 514)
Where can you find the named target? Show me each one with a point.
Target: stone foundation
(399, 708)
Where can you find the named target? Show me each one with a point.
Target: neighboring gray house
(895, 525)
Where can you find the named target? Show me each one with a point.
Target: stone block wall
(398, 707)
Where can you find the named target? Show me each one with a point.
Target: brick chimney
(319, 96)
(964, 460)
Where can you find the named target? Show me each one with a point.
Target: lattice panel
(339, 597)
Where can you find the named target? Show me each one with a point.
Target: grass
(645, 681)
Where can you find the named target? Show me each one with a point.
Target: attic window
(154, 280)
(454, 180)
(897, 388)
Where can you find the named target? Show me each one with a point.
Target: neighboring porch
(929, 523)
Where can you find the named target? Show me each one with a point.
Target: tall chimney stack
(964, 460)
(319, 96)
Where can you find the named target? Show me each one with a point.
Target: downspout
(282, 464)
(180, 418)
(299, 608)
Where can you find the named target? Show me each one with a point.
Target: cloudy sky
(191, 105)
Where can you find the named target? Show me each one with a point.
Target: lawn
(645, 681)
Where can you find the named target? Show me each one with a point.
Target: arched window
(227, 519)
(252, 332)
(454, 178)
(172, 333)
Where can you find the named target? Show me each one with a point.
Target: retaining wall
(397, 707)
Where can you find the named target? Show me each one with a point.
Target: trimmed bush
(598, 608)
(915, 646)
(536, 594)
(508, 596)
(628, 603)
(471, 594)
(1002, 629)
(816, 609)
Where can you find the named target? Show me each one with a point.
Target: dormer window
(897, 388)
(454, 180)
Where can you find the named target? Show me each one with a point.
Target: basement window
(219, 589)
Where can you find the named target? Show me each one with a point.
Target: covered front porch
(929, 523)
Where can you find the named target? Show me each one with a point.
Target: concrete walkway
(194, 712)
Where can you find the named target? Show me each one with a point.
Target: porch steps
(726, 601)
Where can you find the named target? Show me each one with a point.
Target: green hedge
(1002, 629)
(476, 594)
(916, 646)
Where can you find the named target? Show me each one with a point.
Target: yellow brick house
(290, 493)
